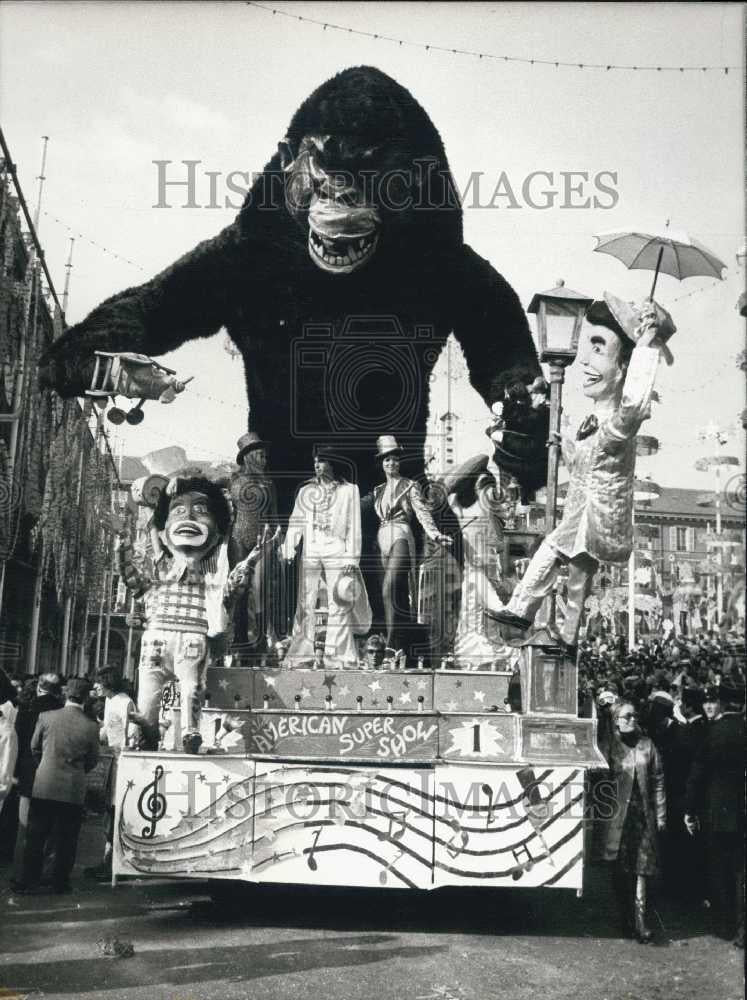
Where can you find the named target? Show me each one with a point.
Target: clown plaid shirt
(174, 591)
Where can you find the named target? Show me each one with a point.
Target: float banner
(331, 735)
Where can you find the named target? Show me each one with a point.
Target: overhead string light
(430, 47)
(93, 243)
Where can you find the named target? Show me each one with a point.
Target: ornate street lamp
(560, 314)
(546, 667)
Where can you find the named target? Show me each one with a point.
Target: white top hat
(387, 445)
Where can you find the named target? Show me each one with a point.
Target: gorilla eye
(316, 171)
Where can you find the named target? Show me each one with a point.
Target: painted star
(421, 685)
(130, 784)
(329, 682)
(375, 701)
(270, 681)
(305, 692)
(344, 690)
(223, 684)
(374, 686)
(405, 684)
(458, 684)
(405, 697)
(226, 778)
(479, 696)
(451, 706)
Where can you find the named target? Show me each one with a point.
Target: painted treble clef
(152, 804)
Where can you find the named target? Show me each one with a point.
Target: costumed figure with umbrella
(619, 373)
(619, 358)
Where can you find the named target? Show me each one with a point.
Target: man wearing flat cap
(619, 356)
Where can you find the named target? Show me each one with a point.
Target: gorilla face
(326, 193)
(366, 176)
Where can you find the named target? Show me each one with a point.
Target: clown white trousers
(165, 656)
(537, 584)
(326, 560)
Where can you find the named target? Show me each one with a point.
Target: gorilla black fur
(340, 354)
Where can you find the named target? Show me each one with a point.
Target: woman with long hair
(640, 809)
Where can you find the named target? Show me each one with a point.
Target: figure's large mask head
(600, 356)
(191, 528)
(343, 222)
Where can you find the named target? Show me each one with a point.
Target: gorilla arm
(492, 329)
(189, 299)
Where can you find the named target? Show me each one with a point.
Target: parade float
(455, 765)
(413, 778)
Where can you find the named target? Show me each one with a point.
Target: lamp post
(560, 313)
(645, 491)
(715, 461)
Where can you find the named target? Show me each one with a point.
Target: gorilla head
(365, 169)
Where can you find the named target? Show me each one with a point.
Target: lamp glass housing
(553, 684)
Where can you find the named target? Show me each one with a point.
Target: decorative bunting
(557, 63)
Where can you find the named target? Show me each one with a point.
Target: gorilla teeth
(341, 252)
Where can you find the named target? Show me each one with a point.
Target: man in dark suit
(715, 798)
(48, 698)
(68, 743)
(684, 861)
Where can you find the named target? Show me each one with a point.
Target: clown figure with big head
(188, 595)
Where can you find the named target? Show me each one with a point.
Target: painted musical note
(397, 834)
(521, 866)
(459, 834)
(538, 810)
(383, 874)
(311, 860)
(487, 790)
(152, 804)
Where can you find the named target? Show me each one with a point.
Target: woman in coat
(640, 809)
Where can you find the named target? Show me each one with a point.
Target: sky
(117, 86)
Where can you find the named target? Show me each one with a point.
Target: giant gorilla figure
(339, 282)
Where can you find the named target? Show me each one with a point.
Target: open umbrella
(673, 252)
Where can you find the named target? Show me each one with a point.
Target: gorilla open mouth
(341, 254)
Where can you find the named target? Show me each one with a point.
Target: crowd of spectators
(670, 724)
(686, 700)
(659, 666)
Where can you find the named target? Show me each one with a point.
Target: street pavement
(272, 942)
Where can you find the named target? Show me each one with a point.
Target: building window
(681, 540)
